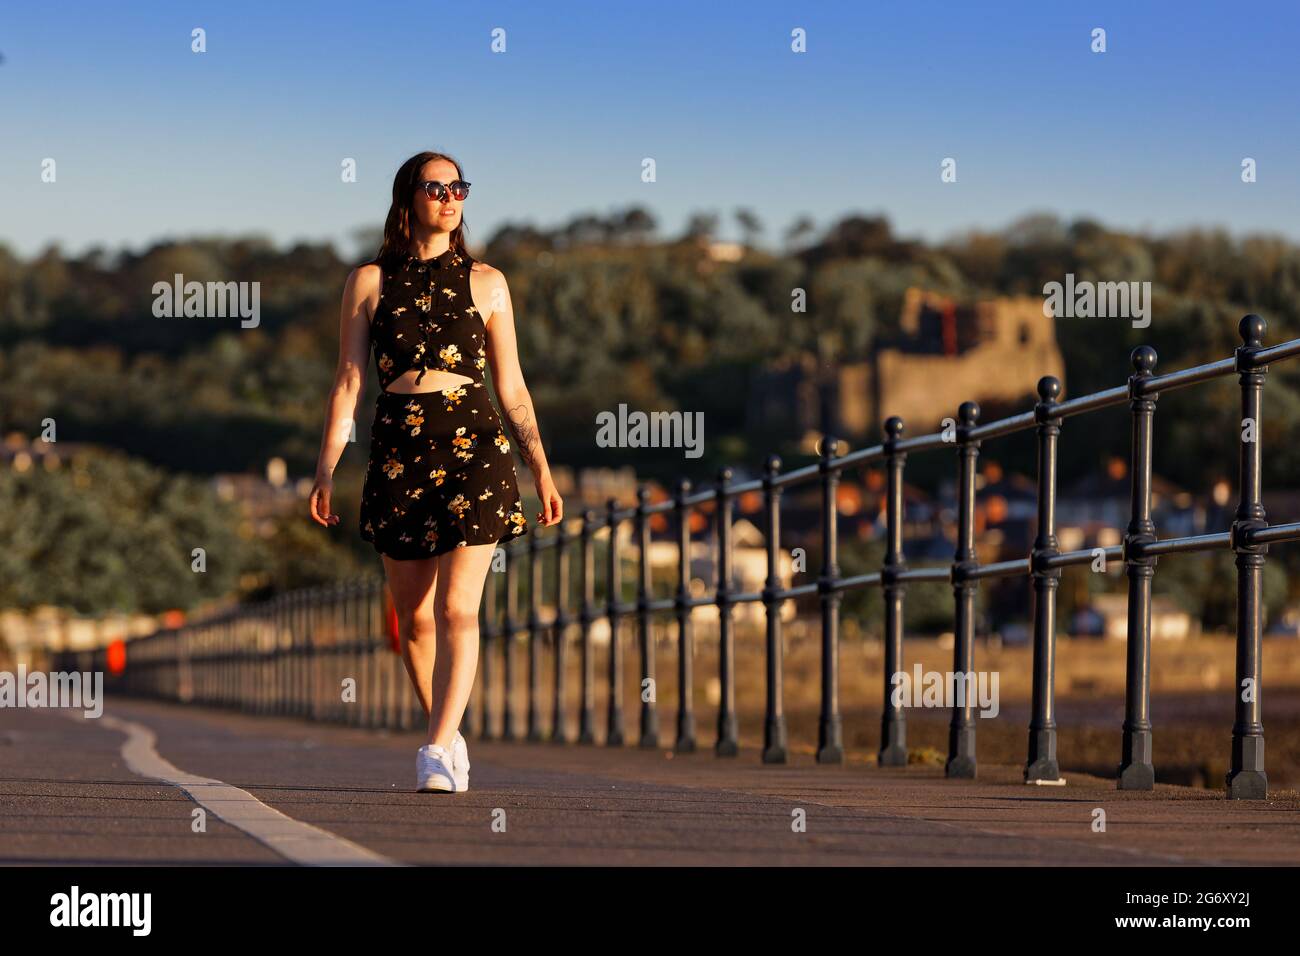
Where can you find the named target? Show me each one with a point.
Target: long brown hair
(397, 227)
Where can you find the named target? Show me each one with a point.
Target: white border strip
(294, 840)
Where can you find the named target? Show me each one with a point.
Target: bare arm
(508, 377)
(360, 295)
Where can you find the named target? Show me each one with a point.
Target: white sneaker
(460, 763)
(433, 770)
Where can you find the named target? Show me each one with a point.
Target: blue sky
(154, 141)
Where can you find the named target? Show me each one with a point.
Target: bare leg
(461, 573)
(412, 585)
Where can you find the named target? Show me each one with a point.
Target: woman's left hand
(552, 504)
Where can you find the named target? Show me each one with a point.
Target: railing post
(586, 614)
(649, 712)
(290, 639)
(376, 644)
(727, 745)
(534, 642)
(314, 653)
(303, 651)
(487, 728)
(271, 657)
(893, 721)
(231, 640)
(685, 638)
(830, 740)
(774, 731)
(614, 716)
(1247, 780)
(559, 722)
(360, 664)
(961, 732)
(1041, 764)
(1136, 771)
(303, 663)
(508, 657)
(350, 658)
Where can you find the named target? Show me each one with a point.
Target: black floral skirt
(440, 475)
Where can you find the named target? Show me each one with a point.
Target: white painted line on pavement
(296, 841)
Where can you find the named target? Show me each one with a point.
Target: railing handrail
(1248, 537)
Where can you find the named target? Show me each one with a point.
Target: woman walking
(440, 488)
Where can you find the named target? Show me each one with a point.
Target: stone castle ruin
(993, 351)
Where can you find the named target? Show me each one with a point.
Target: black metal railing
(292, 655)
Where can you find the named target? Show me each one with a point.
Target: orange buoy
(116, 654)
(390, 622)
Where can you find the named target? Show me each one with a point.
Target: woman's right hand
(321, 492)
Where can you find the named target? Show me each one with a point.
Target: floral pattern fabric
(426, 319)
(440, 474)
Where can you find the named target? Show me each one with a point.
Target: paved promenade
(125, 789)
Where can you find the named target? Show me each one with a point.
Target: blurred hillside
(605, 315)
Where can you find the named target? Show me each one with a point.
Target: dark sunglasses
(436, 190)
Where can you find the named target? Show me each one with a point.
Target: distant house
(262, 498)
(720, 251)
(21, 454)
(749, 574)
(1280, 505)
(1095, 510)
(593, 487)
(1006, 513)
(1168, 621)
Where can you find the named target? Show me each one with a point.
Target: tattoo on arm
(526, 437)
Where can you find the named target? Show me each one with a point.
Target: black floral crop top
(426, 319)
